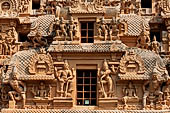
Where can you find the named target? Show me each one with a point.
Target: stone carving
(164, 7)
(72, 29)
(18, 87)
(8, 8)
(87, 6)
(63, 27)
(130, 7)
(131, 63)
(102, 29)
(107, 81)
(23, 7)
(123, 27)
(152, 90)
(65, 79)
(41, 64)
(166, 93)
(8, 41)
(130, 94)
(65, 30)
(143, 40)
(155, 45)
(113, 29)
(41, 91)
(38, 40)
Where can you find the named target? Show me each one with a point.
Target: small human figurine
(41, 90)
(38, 40)
(152, 88)
(10, 40)
(65, 78)
(155, 45)
(106, 82)
(57, 10)
(63, 27)
(143, 41)
(104, 29)
(123, 27)
(19, 88)
(71, 28)
(113, 31)
(129, 92)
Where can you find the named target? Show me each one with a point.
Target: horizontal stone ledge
(79, 111)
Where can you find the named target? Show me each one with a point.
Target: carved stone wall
(46, 66)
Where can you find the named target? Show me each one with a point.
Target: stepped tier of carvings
(35, 80)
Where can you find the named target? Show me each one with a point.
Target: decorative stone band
(79, 111)
(36, 77)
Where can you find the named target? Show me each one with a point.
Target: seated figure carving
(130, 94)
(41, 91)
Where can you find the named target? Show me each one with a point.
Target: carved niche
(8, 7)
(87, 6)
(131, 63)
(41, 64)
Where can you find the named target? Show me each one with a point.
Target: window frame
(87, 37)
(90, 90)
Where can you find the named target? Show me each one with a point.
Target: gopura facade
(84, 56)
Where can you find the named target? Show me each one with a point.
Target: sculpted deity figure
(113, 30)
(72, 29)
(63, 27)
(10, 41)
(19, 88)
(38, 40)
(129, 92)
(152, 89)
(155, 45)
(143, 41)
(23, 6)
(107, 84)
(65, 78)
(4, 48)
(103, 29)
(123, 27)
(57, 10)
(41, 91)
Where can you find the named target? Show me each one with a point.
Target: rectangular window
(87, 32)
(35, 4)
(146, 3)
(86, 87)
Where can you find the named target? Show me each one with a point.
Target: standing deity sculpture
(113, 29)
(65, 79)
(106, 80)
(10, 41)
(103, 29)
(72, 29)
(155, 45)
(57, 10)
(123, 27)
(63, 27)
